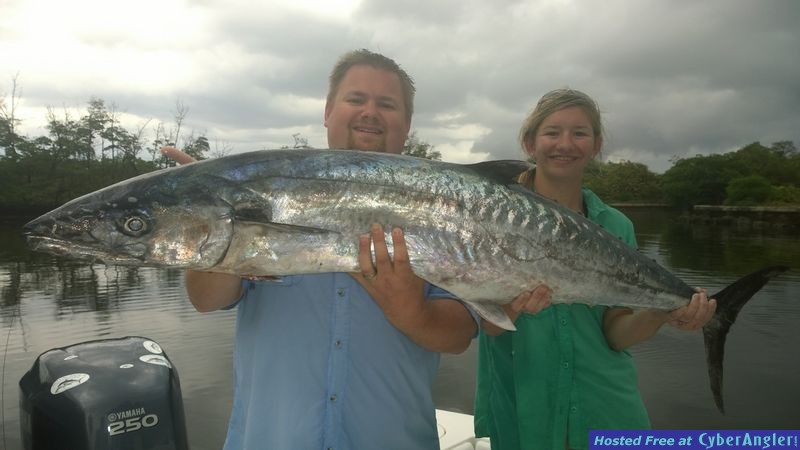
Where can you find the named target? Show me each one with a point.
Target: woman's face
(564, 144)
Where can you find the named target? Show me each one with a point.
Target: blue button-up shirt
(318, 366)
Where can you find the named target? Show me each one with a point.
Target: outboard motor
(107, 394)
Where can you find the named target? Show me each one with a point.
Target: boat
(455, 432)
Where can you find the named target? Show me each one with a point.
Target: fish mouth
(40, 239)
(60, 247)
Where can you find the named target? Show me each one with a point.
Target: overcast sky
(674, 78)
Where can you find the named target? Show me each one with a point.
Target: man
(341, 361)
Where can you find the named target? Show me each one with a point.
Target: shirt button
(340, 291)
(338, 344)
(565, 365)
(333, 397)
(574, 409)
(563, 321)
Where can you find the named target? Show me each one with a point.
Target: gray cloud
(673, 78)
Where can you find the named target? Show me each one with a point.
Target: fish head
(157, 219)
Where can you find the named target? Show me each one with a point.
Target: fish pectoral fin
(286, 228)
(260, 214)
(493, 313)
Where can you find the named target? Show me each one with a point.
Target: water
(47, 303)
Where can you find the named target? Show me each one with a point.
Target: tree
(706, 179)
(414, 146)
(181, 111)
(51, 169)
(63, 135)
(221, 148)
(299, 142)
(785, 148)
(699, 180)
(9, 139)
(755, 159)
(198, 148)
(96, 122)
(624, 181)
(749, 190)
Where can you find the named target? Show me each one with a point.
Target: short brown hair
(378, 61)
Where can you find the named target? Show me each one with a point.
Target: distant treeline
(81, 155)
(752, 175)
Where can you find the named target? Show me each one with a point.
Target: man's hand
(177, 155)
(391, 282)
(436, 324)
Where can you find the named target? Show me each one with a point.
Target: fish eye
(134, 225)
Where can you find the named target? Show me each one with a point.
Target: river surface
(46, 303)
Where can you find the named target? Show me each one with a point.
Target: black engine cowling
(106, 394)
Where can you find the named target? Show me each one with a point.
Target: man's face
(368, 112)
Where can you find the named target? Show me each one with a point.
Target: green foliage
(785, 148)
(414, 146)
(706, 179)
(785, 195)
(76, 157)
(41, 182)
(198, 148)
(698, 180)
(769, 162)
(624, 181)
(9, 140)
(749, 190)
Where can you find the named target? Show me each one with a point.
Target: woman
(565, 370)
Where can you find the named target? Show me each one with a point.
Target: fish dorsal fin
(505, 171)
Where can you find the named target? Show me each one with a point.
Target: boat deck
(456, 432)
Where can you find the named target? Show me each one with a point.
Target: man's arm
(210, 291)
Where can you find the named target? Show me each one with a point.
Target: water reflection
(48, 303)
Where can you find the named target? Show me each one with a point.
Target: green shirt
(548, 383)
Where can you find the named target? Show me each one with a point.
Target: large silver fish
(469, 229)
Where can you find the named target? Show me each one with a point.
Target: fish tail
(729, 302)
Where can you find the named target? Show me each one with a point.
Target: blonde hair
(378, 61)
(557, 100)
